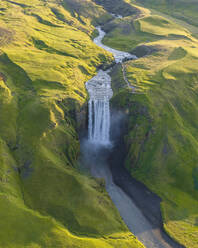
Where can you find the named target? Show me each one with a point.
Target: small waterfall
(100, 92)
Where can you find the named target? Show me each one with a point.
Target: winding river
(97, 145)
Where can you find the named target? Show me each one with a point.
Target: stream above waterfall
(100, 93)
(118, 55)
(96, 151)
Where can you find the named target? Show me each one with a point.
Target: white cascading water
(118, 55)
(100, 92)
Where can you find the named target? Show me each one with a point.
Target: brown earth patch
(3, 77)
(6, 36)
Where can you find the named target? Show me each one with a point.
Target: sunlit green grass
(162, 140)
(181, 9)
(45, 201)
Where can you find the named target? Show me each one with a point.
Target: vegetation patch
(180, 9)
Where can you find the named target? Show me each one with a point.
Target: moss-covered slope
(46, 57)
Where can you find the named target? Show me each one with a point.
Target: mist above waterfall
(118, 124)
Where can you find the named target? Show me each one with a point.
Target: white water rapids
(118, 55)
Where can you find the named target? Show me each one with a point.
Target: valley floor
(128, 196)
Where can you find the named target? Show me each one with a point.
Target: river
(96, 149)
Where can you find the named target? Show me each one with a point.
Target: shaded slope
(119, 7)
(181, 9)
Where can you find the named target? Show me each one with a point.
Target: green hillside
(181, 9)
(162, 138)
(47, 55)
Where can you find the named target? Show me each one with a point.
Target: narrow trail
(119, 56)
(95, 158)
(126, 79)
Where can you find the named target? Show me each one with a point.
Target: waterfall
(99, 121)
(100, 92)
